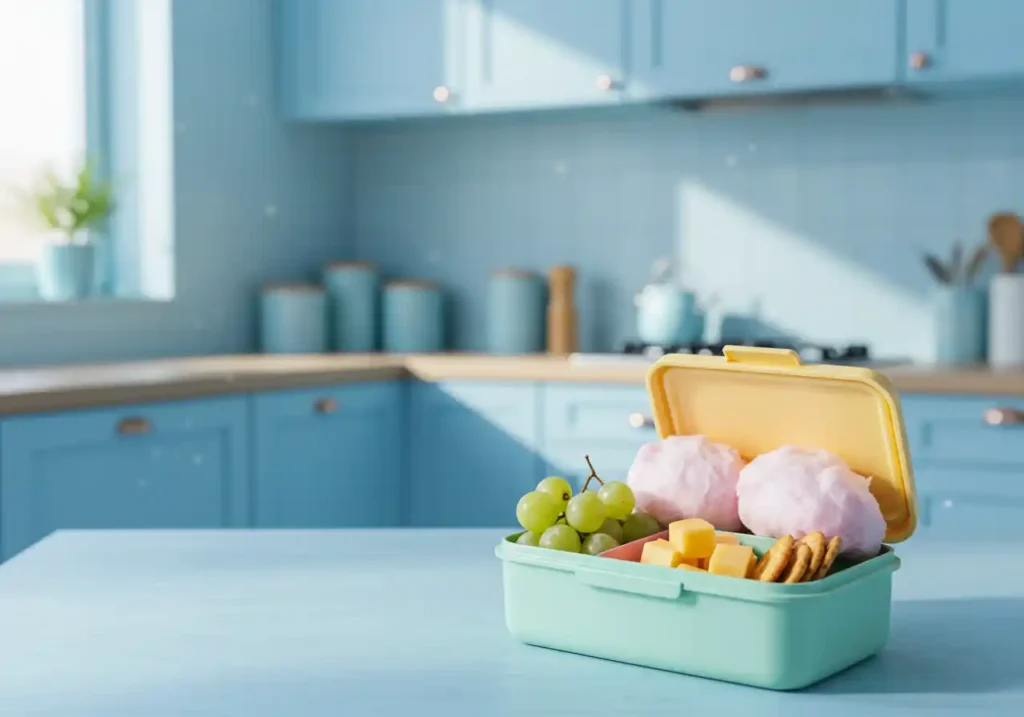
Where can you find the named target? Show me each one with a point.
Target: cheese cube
(729, 538)
(693, 537)
(702, 563)
(660, 552)
(736, 561)
(686, 566)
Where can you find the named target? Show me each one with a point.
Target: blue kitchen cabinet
(538, 53)
(328, 457)
(361, 59)
(970, 504)
(608, 422)
(170, 465)
(698, 49)
(964, 40)
(473, 452)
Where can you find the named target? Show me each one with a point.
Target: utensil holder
(353, 288)
(293, 319)
(1006, 320)
(413, 317)
(959, 324)
(516, 312)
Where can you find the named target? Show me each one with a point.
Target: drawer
(970, 505)
(950, 428)
(597, 412)
(343, 399)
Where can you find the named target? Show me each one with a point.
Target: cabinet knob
(1004, 417)
(747, 73)
(605, 83)
(326, 405)
(639, 420)
(442, 94)
(134, 425)
(919, 60)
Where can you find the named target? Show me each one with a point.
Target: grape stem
(593, 474)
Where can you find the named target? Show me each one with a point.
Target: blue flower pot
(960, 321)
(66, 271)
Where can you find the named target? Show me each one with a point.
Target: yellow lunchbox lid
(758, 399)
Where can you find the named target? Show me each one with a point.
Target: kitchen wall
(805, 221)
(256, 200)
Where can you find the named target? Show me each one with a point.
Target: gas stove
(635, 352)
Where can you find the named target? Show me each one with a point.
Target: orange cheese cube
(693, 537)
(660, 552)
(728, 538)
(736, 561)
(686, 566)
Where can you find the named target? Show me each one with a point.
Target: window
(89, 79)
(43, 121)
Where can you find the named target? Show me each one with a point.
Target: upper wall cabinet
(964, 40)
(696, 48)
(539, 53)
(353, 59)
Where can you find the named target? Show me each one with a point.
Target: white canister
(1006, 320)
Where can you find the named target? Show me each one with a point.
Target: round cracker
(831, 553)
(772, 564)
(797, 565)
(817, 543)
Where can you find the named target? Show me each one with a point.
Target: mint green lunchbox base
(779, 637)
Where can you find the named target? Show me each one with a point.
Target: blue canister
(353, 307)
(293, 319)
(516, 312)
(960, 321)
(413, 317)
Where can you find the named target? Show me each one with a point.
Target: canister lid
(411, 284)
(292, 286)
(350, 265)
(757, 400)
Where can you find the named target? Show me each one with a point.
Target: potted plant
(959, 306)
(72, 211)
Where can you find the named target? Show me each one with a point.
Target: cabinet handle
(639, 420)
(442, 94)
(133, 426)
(1004, 417)
(326, 405)
(746, 73)
(919, 61)
(605, 83)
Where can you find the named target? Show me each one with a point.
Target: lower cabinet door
(970, 504)
(329, 458)
(172, 465)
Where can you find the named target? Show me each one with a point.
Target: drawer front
(596, 412)
(949, 428)
(970, 505)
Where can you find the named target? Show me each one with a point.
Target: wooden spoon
(1006, 232)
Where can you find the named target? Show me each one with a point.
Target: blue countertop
(339, 623)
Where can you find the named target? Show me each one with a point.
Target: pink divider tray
(632, 551)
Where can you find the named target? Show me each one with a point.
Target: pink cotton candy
(792, 491)
(687, 477)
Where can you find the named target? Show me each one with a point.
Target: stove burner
(853, 353)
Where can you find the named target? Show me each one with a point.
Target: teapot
(667, 313)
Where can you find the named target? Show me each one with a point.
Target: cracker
(771, 565)
(798, 565)
(831, 553)
(817, 543)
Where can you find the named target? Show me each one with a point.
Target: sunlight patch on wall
(788, 283)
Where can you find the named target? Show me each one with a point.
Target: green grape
(537, 511)
(558, 487)
(561, 537)
(639, 525)
(611, 527)
(585, 512)
(598, 543)
(617, 498)
(528, 538)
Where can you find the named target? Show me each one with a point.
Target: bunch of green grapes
(590, 522)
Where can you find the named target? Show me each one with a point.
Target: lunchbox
(768, 635)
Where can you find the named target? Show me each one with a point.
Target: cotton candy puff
(687, 477)
(792, 491)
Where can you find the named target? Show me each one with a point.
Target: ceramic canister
(413, 317)
(516, 308)
(1006, 320)
(293, 319)
(354, 307)
(959, 324)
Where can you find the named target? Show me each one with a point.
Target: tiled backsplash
(810, 220)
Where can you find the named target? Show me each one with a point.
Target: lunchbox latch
(761, 356)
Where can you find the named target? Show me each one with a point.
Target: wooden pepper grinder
(563, 333)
